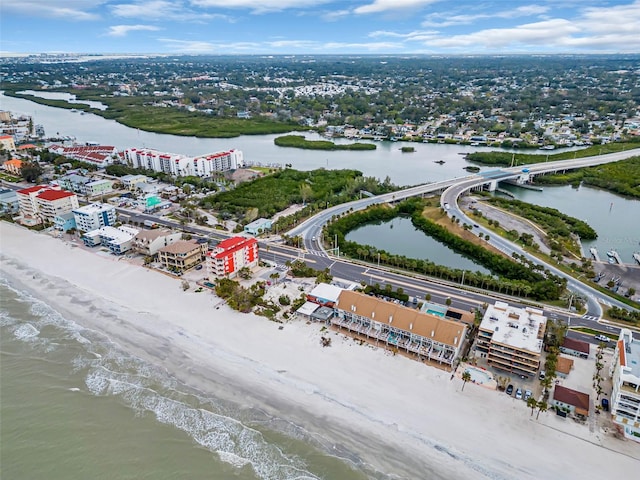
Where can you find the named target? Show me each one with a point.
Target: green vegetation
(274, 193)
(238, 297)
(621, 177)
(408, 149)
(300, 269)
(505, 159)
(298, 141)
(387, 292)
(518, 278)
(592, 331)
(632, 317)
(555, 223)
(140, 112)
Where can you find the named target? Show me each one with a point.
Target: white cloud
(604, 29)
(123, 30)
(200, 46)
(447, 19)
(67, 9)
(162, 9)
(392, 5)
(261, 6)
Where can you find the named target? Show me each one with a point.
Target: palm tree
(532, 403)
(466, 376)
(542, 407)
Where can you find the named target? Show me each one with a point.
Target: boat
(636, 257)
(594, 254)
(439, 162)
(613, 255)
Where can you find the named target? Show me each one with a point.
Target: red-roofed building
(570, 400)
(231, 255)
(574, 347)
(43, 203)
(13, 166)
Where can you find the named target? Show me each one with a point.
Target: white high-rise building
(625, 377)
(94, 216)
(206, 165)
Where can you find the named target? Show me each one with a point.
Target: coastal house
(571, 401)
(130, 182)
(99, 155)
(94, 216)
(51, 203)
(511, 338)
(182, 255)
(389, 324)
(574, 347)
(149, 242)
(258, 226)
(625, 377)
(230, 256)
(324, 294)
(7, 143)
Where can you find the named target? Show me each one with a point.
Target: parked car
(602, 338)
(199, 267)
(509, 390)
(527, 395)
(519, 393)
(605, 404)
(542, 375)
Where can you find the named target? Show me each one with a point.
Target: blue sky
(320, 26)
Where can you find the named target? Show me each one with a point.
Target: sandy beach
(400, 417)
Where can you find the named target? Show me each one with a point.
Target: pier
(594, 254)
(613, 254)
(636, 257)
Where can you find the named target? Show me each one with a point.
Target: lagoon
(400, 237)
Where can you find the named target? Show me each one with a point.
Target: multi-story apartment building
(94, 216)
(625, 377)
(207, 165)
(428, 337)
(231, 255)
(42, 203)
(182, 255)
(511, 338)
(52, 203)
(175, 164)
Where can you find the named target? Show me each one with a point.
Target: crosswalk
(591, 317)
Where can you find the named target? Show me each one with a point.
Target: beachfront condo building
(389, 324)
(117, 240)
(42, 204)
(182, 255)
(625, 377)
(230, 256)
(13, 166)
(93, 216)
(511, 338)
(7, 143)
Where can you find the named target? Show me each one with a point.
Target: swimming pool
(478, 375)
(435, 312)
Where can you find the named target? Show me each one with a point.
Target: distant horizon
(317, 27)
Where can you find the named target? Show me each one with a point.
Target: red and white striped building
(231, 255)
(181, 165)
(42, 204)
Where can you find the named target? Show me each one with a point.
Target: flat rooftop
(521, 328)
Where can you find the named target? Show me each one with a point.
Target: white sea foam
(232, 459)
(26, 331)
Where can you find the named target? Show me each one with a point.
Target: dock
(613, 254)
(636, 257)
(594, 254)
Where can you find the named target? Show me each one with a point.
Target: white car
(602, 338)
(527, 395)
(519, 393)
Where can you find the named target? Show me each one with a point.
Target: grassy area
(9, 178)
(298, 141)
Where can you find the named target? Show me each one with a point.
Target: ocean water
(74, 406)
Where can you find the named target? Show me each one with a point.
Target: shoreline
(401, 417)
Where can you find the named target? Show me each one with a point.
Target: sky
(288, 27)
